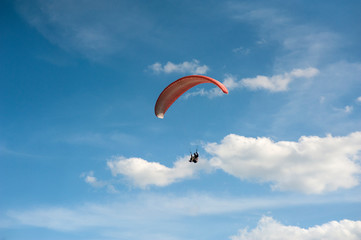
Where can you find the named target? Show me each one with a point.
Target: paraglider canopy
(174, 90)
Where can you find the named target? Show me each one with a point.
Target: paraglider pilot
(194, 157)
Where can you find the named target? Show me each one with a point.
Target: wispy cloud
(344, 110)
(151, 212)
(192, 67)
(241, 50)
(268, 228)
(299, 44)
(94, 182)
(91, 28)
(311, 165)
(348, 109)
(326, 98)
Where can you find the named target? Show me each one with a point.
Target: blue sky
(82, 155)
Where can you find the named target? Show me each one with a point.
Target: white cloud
(94, 182)
(276, 83)
(192, 67)
(268, 228)
(348, 109)
(142, 173)
(358, 99)
(231, 82)
(241, 50)
(89, 178)
(312, 165)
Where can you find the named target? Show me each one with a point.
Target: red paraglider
(174, 90)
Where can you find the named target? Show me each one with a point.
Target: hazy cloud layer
(126, 214)
(192, 67)
(310, 165)
(299, 44)
(268, 228)
(91, 28)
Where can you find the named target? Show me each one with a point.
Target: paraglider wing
(177, 88)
